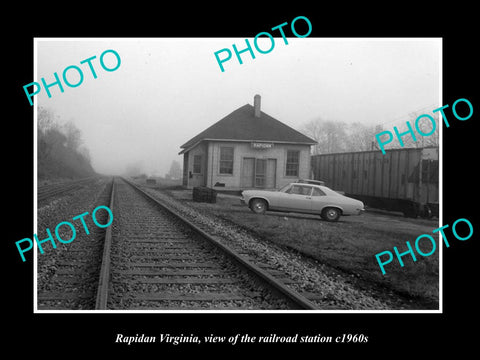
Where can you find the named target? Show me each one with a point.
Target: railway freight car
(403, 180)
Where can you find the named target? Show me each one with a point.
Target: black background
(61, 335)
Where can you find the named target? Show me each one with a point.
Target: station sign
(261, 145)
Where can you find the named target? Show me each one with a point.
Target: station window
(293, 160)
(226, 160)
(197, 164)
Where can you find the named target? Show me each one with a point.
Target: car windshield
(284, 188)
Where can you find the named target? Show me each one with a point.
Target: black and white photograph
(246, 182)
(266, 190)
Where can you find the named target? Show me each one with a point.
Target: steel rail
(45, 192)
(294, 297)
(103, 282)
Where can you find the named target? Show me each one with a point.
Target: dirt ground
(349, 245)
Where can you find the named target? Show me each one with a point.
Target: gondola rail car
(403, 180)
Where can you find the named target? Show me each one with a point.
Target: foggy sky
(167, 90)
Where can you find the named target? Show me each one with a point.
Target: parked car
(303, 198)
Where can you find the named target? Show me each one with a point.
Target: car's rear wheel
(258, 206)
(330, 214)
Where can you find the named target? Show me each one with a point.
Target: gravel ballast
(330, 290)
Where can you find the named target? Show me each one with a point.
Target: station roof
(242, 125)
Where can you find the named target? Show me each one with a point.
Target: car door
(297, 198)
(319, 200)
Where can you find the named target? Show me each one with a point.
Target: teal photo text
(386, 137)
(73, 75)
(425, 245)
(224, 55)
(26, 244)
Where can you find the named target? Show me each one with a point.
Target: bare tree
(360, 137)
(44, 119)
(424, 125)
(175, 171)
(331, 136)
(335, 136)
(59, 150)
(85, 153)
(314, 130)
(73, 135)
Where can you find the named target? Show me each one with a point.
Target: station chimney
(256, 105)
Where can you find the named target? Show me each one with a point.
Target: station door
(259, 173)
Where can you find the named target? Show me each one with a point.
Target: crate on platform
(204, 194)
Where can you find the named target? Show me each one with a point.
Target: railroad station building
(246, 149)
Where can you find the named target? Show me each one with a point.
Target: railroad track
(156, 259)
(152, 258)
(70, 281)
(48, 192)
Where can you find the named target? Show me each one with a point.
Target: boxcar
(403, 180)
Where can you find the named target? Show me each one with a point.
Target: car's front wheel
(258, 206)
(330, 214)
